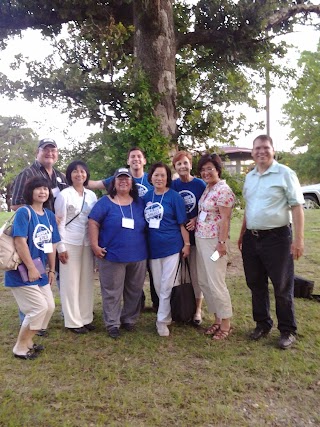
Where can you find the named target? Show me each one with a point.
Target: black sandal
(30, 355)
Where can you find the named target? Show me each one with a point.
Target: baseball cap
(122, 171)
(47, 141)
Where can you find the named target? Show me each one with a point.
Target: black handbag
(183, 301)
(303, 288)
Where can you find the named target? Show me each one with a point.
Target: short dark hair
(36, 182)
(136, 149)
(212, 158)
(160, 165)
(72, 166)
(264, 138)
(133, 192)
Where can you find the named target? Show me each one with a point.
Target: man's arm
(17, 190)
(297, 246)
(96, 185)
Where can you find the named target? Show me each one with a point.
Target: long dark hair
(36, 182)
(133, 192)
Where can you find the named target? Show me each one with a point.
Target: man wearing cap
(47, 156)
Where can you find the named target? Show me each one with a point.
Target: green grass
(184, 380)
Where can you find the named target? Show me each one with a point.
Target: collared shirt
(269, 197)
(68, 204)
(57, 181)
(219, 194)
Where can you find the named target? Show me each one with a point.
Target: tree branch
(285, 14)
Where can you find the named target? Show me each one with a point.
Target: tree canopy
(165, 70)
(18, 145)
(303, 114)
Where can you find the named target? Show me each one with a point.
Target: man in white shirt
(273, 197)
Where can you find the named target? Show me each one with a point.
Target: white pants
(37, 303)
(76, 286)
(164, 272)
(211, 277)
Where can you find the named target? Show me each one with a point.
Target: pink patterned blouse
(220, 194)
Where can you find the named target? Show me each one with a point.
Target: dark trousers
(267, 255)
(153, 293)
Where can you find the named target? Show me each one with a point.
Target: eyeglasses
(49, 150)
(207, 170)
(123, 177)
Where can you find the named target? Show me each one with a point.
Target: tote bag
(183, 301)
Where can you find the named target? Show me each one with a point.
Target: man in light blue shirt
(273, 200)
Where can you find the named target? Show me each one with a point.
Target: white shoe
(162, 329)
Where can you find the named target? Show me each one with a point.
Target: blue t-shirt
(142, 183)
(191, 193)
(170, 210)
(39, 230)
(122, 244)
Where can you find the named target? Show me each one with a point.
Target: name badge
(128, 223)
(203, 215)
(154, 223)
(55, 192)
(47, 248)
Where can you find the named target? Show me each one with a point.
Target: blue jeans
(267, 255)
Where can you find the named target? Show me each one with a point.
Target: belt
(261, 233)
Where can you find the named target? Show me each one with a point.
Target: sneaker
(42, 333)
(162, 329)
(286, 340)
(258, 333)
(129, 327)
(114, 332)
(89, 327)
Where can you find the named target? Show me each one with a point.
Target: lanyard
(50, 226)
(160, 199)
(122, 210)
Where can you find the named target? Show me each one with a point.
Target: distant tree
(302, 113)
(197, 61)
(18, 145)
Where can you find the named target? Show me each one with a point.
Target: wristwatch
(222, 242)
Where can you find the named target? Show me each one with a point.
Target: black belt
(261, 233)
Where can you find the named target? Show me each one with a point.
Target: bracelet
(51, 271)
(187, 244)
(222, 242)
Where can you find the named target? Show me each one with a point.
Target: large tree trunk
(155, 50)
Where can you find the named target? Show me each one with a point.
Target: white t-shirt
(67, 205)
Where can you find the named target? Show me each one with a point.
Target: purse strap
(186, 266)
(84, 196)
(179, 265)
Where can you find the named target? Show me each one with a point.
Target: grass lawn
(183, 380)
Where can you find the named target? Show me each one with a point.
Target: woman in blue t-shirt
(190, 189)
(166, 215)
(35, 234)
(117, 233)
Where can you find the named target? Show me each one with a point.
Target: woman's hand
(33, 274)
(63, 257)
(222, 249)
(191, 224)
(186, 251)
(51, 276)
(99, 252)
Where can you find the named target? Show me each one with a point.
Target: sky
(47, 121)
